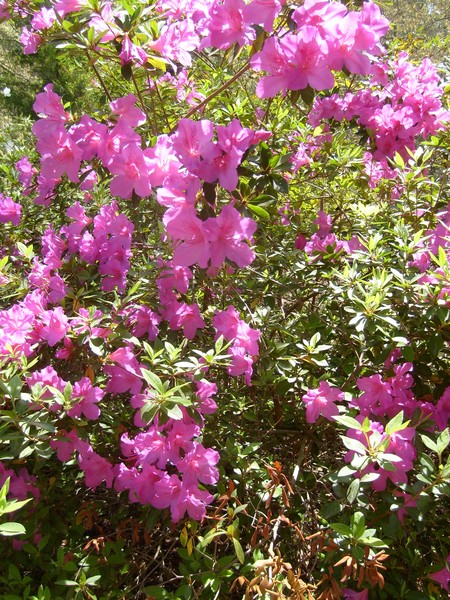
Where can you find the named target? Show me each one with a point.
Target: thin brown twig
(216, 92)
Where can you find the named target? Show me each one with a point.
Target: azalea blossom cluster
(382, 398)
(328, 37)
(21, 484)
(10, 211)
(176, 165)
(322, 37)
(323, 242)
(149, 457)
(403, 104)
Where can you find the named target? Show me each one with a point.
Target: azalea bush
(225, 303)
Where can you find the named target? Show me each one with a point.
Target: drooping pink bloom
(30, 41)
(96, 468)
(241, 364)
(176, 41)
(199, 464)
(89, 135)
(226, 323)
(43, 19)
(126, 375)
(143, 321)
(321, 402)
(55, 325)
(48, 104)
(185, 316)
(20, 485)
(114, 140)
(63, 7)
(226, 25)
(262, 12)
(4, 10)
(377, 395)
(127, 110)
(190, 231)
(65, 443)
(171, 492)
(87, 396)
(443, 576)
(132, 172)
(293, 63)
(179, 440)
(10, 211)
(191, 141)
(205, 391)
(63, 157)
(227, 234)
(131, 53)
(442, 412)
(26, 173)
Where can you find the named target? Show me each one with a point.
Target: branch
(219, 90)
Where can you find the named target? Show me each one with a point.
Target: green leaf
(259, 210)
(354, 445)
(14, 505)
(149, 411)
(239, 550)
(153, 381)
(342, 529)
(353, 490)
(396, 424)
(349, 422)
(443, 441)
(175, 412)
(435, 343)
(429, 443)
(358, 524)
(11, 528)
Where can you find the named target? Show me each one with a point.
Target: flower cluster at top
(402, 104)
(311, 42)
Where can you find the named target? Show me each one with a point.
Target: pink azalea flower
(96, 468)
(353, 595)
(131, 53)
(129, 113)
(43, 19)
(55, 326)
(186, 316)
(30, 41)
(47, 377)
(192, 140)
(226, 25)
(4, 10)
(443, 576)
(132, 172)
(10, 211)
(262, 12)
(322, 402)
(65, 443)
(193, 248)
(226, 234)
(199, 465)
(26, 172)
(87, 398)
(126, 376)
